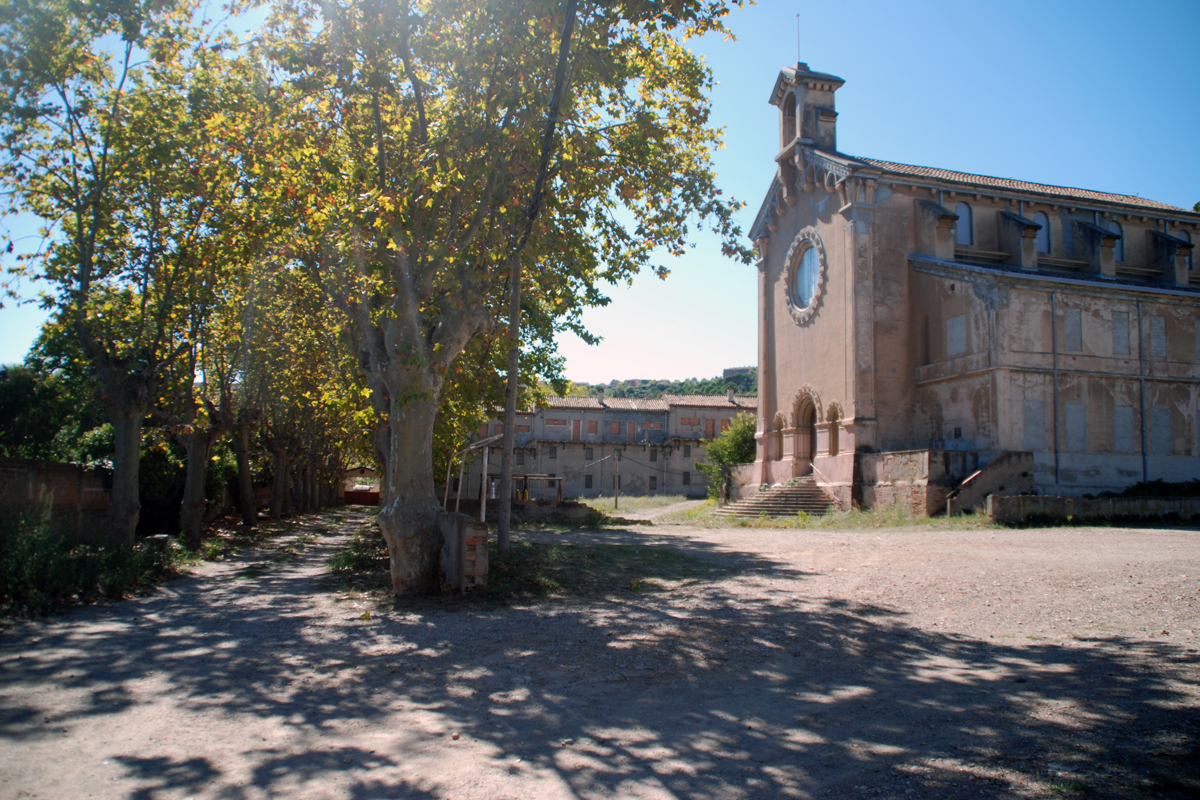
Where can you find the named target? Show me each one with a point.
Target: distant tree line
(745, 383)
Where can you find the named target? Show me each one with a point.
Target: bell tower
(806, 108)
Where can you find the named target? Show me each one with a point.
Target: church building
(920, 326)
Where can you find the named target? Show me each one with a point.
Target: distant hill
(744, 384)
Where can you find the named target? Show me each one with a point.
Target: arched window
(1187, 237)
(1119, 250)
(965, 227)
(1043, 237)
(789, 120)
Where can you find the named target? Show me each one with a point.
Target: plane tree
(101, 139)
(407, 156)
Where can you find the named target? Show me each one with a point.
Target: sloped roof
(613, 403)
(711, 401)
(987, 181)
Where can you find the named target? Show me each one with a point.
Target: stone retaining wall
(1015, 510)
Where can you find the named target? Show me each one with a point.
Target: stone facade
(580, 439)
(907, 308)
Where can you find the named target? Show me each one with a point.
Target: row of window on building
(956, 335)
(965, 232)
(1126, 433)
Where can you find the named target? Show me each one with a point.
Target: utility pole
(504, 518)
(483, 487)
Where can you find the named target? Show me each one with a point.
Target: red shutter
(575, 430)
(630, 431)
(709, 425)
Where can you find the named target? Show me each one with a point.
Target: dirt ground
(900, 663)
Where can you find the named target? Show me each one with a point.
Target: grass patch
(1068, 787)
(536, 571)
(892, 516)
(634, 503)
(541, 570)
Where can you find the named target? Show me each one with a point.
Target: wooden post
(647, 438)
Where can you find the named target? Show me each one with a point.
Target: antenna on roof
(797, 37)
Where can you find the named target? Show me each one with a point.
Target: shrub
(45, 563)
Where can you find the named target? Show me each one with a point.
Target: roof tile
(970, 179)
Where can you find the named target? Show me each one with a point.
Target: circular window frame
(806, 239)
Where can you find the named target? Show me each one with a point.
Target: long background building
(579, 439)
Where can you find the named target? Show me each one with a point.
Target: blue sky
(1101, 95)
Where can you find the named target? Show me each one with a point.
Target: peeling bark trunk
(409, 519)
(124, 508)
(241, 445)
(198, 445)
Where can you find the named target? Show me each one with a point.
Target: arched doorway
(804, 444)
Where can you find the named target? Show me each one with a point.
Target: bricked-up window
(724, 424)
(1158, 337)
(587, 481)
(497, 430)
(630, 431)
(687, 478)
(1035, 425)
(654, 455)
(1160, 431)
(647, 425)
(615, 428)
(653, 483)
(592, 426)
(956, 336)
(687, 451)
(689, 421)
(587, 453)
(521, 428)
(1072, 330)
(1123, 429)
(1076, 419)
(1120, 325)
(556, 422)
(553, 451)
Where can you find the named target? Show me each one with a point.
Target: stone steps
(781, 501)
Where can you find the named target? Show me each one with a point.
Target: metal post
(462, 466)
(617, 484)
(483, 488)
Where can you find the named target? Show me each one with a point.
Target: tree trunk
(198, 445)
(124, 508)
(409, 519)
(279, 485)
(241, 445)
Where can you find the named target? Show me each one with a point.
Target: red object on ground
(361, 497)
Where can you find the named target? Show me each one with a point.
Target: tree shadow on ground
(700, 693)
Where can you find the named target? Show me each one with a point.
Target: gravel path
(899, 663)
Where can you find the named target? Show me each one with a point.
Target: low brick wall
(74, 493)
(1015, 510)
